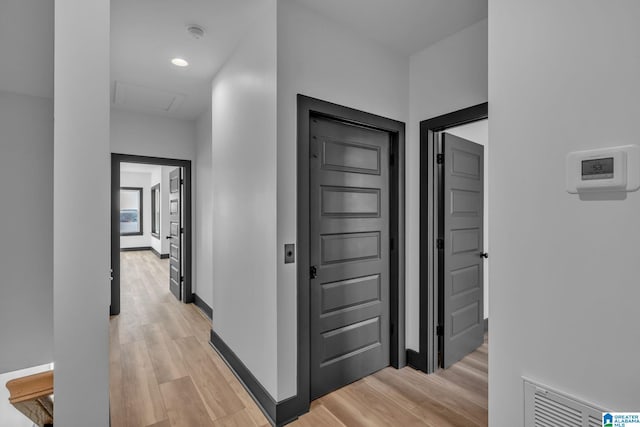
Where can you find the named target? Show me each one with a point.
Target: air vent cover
(145, 98)
(544, 407)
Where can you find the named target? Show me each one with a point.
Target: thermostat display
(597, 168)
(604, 169)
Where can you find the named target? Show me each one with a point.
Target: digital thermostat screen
(597, 168)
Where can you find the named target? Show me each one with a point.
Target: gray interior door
(175, 233)
(349, 253)
(461, 284)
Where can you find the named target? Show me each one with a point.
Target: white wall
(204, 208)
(244, 200)
(478, 132)
(150, 135)
(321, 59)
(445, 77)
(564, 272)
(81, 188)
(26, 262)
(139, 180)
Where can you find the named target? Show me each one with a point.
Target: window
(155, 211)
(130, 211)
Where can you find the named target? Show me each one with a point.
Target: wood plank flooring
(165, 374)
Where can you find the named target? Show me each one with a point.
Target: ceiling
(407, 26)
(146, 34)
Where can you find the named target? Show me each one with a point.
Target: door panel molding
(176, 245)
(116, 160)
(461, 302)
(426, 358)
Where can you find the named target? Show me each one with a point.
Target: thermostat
(606, 169)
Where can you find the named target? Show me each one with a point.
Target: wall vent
(544, 407)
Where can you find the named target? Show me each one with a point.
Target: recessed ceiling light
(179, 62)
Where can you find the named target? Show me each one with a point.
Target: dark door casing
(349, 253)
(185, 165)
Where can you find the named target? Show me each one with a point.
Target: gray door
(462, 287)
(349, 254)
(175, 233)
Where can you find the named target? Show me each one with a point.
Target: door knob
(484, 255)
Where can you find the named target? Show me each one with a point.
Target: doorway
(350, 246)
(178, 231)
(433, 324)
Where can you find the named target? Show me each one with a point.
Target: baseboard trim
(278, 413)
(203, 306)
(158, 254)
(137, 248)
(416, 361)
(419, 361)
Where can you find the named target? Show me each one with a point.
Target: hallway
(164, 373)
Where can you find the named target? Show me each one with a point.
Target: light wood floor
(164, 373)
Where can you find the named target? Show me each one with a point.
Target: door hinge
(440, 159)
(440, 244)
(182, 230)
(182, 181)
(182, 278)
(313, 272)
(439, 330)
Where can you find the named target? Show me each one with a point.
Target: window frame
(140, 231)
(155, 209)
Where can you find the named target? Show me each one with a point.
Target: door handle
(484, 255)
(168, 237)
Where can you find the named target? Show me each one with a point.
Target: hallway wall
(26, 194)
(204, 208)
(564, 271)
(81, 253)
(244, 200)
(320, 58)
(144, 134)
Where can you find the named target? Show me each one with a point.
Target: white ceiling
(146, 34)
(407, 26)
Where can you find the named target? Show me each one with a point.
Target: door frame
(426, 359)
(307, 108)
(116, 160)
